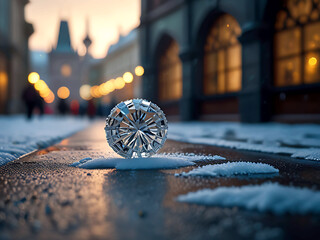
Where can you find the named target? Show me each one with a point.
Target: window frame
(302, 53)
(162, 82)
(215, 51)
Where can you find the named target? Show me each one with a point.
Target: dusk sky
(106, 19)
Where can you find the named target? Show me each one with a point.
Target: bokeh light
(49, 98)
(110, 85)
(45, 92)
(312, 61)
(119, 83)
(63, 92)
(139, 71)
(128, 77)
(85, 92)
(94, 91)
(40, 85)
(66, 70)
(103, 89)
(33, 77)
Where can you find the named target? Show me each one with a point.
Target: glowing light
(85, 92)
(3, 79)
(312, 61)
(119, 83)
(33, 77)
(103, 89)
(228, 25)
(66, 70)
(110, 85)
(45, 92)
(128, 77)
(139, 71)
(63, 92)
(49, 98)
(94, 91)
(40, 85)
(3, 85)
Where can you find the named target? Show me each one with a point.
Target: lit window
(222, 57)
(66, 70)
(297, 44)
(170, 73)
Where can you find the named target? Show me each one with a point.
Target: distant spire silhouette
(87, 41)
(64, 41)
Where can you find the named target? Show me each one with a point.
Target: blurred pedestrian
(30, 98)
(63, 107)
(83, 108)
(40, 104)
(91, 110)
(74, 107)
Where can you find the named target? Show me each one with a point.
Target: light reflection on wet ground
(41, 197)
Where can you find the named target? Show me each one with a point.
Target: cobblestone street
(42, 197)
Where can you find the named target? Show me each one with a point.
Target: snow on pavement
(158, 161)
(295, 140)
(269, 197)
(19, 136)
(231, 168)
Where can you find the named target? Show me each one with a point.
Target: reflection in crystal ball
(136, 128)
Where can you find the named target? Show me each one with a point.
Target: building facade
(238, 60)
(66, 68)
(122, 57)
(14, 35)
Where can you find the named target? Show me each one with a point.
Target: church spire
(64, 42)
(87, 41)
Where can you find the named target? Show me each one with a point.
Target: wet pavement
(41, 197)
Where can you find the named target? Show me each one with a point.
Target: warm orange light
(94, 91)
(119, 83)
(128, 77)
(103, 89)
(312, 61)
(49, 98)
(66, 70)
(40, 85)
(85, 92)
(33, 77)
(63, 92)
(139, 71)
(110, 85)
(45, 92)
(3, 79)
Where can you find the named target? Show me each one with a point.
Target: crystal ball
(136, 128)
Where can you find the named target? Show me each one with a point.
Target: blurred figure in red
(74, 106)
(91, 110)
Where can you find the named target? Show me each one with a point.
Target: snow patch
(133, 163)
(191, 156)
(158, 161)
(230, 169)
(269, 197)
(19, 136)
(295, 140)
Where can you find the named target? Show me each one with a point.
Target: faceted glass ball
(136, 128)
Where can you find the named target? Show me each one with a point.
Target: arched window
(170, 72)
(297, 43)
(222, 57)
